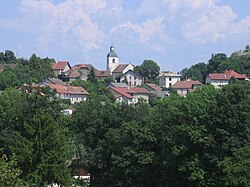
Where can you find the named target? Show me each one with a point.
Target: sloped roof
(120, 68)
(127, 91)
(60, 65)
(79, 66)
(226, 75)
(102, 73)
(122, 91)
(186, 84)
(118, 84)
(132, 72)
(73, 74)
(112, 52)
(154, 87)
(54, 81)
(139, 90)
(68, 89)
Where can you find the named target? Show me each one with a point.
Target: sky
(174, 33)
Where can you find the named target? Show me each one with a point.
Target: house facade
(78, 72)
(220, 79)
(132, 78)
(61, 68)
(73, 93)
(130, 95)
(102, 74)
(121, 69)
(167, 79)
(186, 86)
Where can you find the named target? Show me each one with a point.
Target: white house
(61, 67)
(121, 69)
(220, 79)
(130, 95)
(79, 71)
(186, 86)
(75, 94)
(167, 79)
(132, 78)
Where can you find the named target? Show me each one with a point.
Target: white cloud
(54, 23)
(147, 31)
(220, 23)
(201, 5)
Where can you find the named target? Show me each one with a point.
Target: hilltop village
(126, 84)
(127, 125)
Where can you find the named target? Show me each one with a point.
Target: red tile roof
(73, 74)
(226, 76)
(60, 65)
(102, 73)
(122, 91)
(120, 68)
(140, 90)
(127, 91)
(186, 84)
(68, 89)
(154, 87)
(79, 66)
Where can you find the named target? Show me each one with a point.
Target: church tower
(112, 60)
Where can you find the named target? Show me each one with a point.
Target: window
(170, 84)
(113, 60)
(129, 77)
(135, 77)
(135, 83)
(170, 79)
(130, 83)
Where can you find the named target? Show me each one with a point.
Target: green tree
(196, 72)
(40, 68)
(8, 57)
(215, 61)
(91, 76)
(8, 78)
(237, 167)
(99, 88)
(149, 70)
(10, 174)
(30, 128)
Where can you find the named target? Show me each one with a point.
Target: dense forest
(202, 139)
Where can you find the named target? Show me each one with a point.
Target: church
(119, 72)
(113, 65)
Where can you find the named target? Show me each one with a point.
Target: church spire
(112, 48)
(112, 59)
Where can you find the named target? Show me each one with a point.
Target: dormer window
(113, 60)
